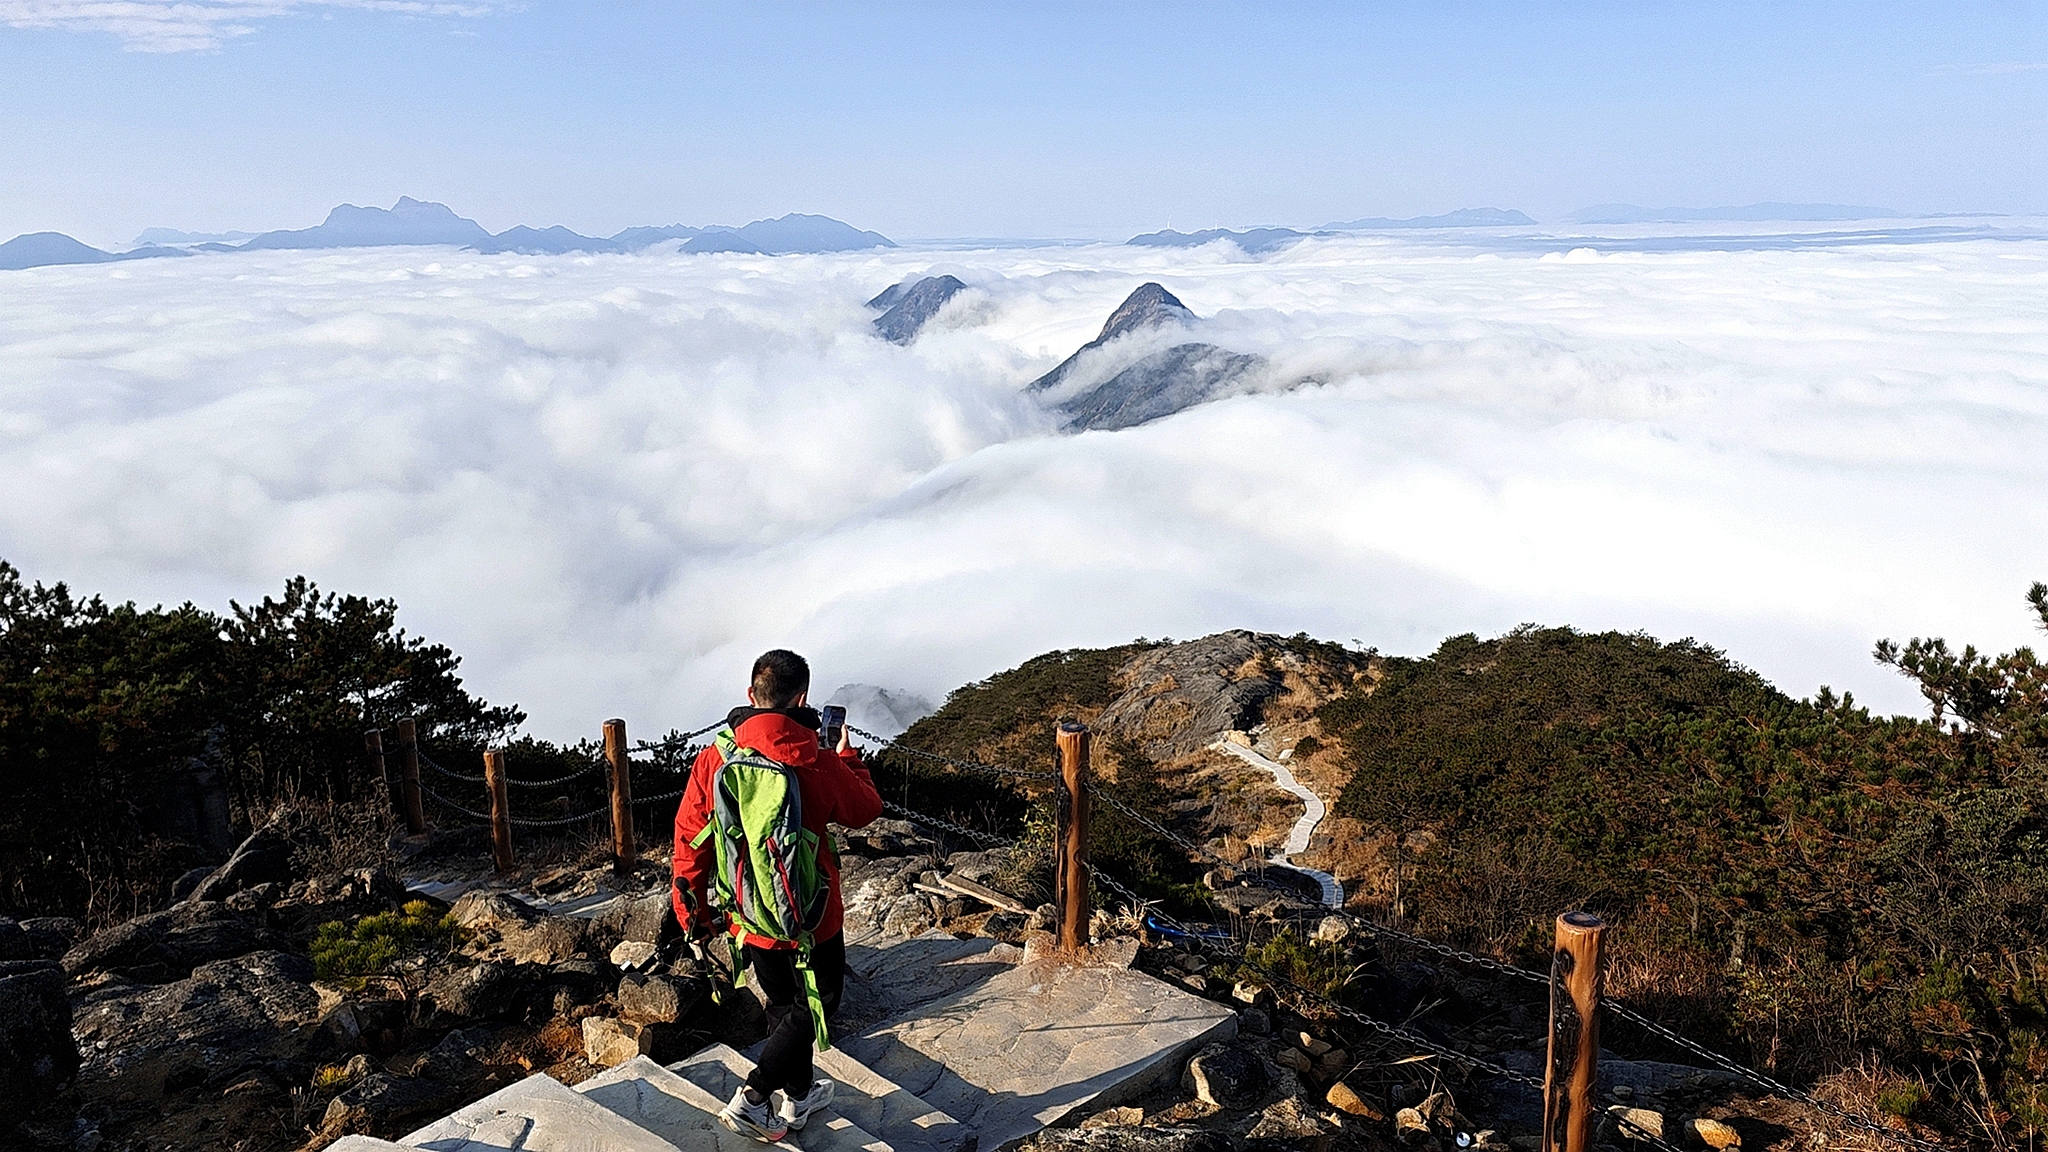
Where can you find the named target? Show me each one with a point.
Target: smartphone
(835, 722)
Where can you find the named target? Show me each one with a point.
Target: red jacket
(836, 788)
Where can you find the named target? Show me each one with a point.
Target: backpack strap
(813, 1002)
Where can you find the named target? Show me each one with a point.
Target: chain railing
(1393, 1033)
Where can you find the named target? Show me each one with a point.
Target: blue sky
(1019, 119)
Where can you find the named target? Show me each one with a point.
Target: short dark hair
(780, 676)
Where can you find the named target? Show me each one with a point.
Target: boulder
(1334, 929)
(1254, 1022)
(225, 1019)
(382, 1102)
(657, 999)
(608, 1042)
(458, 1060)
(504, 928)
(585, 977)
(635, 918)
(1410, 1129)
(357, 892)
(907, 916)
(15, 944)
(168, 945)
(37, 1053)
(50, 937)
(265, 857)
(1344, 1098)
(1226, 1076)
(1138, 1139)
(1715, 1134)
(1290, 1125)
(478, 992)
(1636, 1123)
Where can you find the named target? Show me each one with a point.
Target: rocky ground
(207, 1025)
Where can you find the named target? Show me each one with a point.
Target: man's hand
(846, 738)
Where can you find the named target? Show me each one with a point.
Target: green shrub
(374, 943)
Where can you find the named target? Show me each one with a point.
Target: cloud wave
(610, 481)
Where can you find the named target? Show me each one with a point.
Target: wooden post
(409, 779)
(625, 846)
(1570, 1116)
(373, 743)
(1071, 837)
(501, 810)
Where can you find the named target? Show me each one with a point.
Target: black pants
(785, 1064)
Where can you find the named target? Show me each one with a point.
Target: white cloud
(194, 25)
(610, 481)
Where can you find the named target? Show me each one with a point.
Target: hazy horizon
(1043, 120)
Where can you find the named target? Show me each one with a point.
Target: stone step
(888, 978)
(686, 1114)
(1009, 1055)
(876, 1105)
(538, 1114)
(367, 1144)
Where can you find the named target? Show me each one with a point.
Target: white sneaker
(756, 1120)
(796, 1113)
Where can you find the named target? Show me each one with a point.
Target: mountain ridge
(411, 222)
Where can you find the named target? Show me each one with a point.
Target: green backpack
(767, 877)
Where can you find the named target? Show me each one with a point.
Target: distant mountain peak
(910, 308)
(1151, 306)
(1462, 218)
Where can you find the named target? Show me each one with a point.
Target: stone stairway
(955, 1047)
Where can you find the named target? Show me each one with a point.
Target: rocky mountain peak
(1151, 306)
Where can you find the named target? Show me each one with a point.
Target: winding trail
(1298, 836)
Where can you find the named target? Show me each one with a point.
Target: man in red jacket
(836, 788)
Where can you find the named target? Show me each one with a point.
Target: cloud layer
(610, 481)
(194, 25)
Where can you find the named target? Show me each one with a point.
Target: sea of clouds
(610, 481)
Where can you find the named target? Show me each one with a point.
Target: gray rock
(1218, 684)
(168, 945)
(228, 1017)
(458, 1059)
(265, 857)
(657, 999)
(504, 928)
(1138, 1139)
(1226, 1076)
(633, 918)
(912, 307)
(14, 942)
(382, 1102)
(478, 992)
(51, 936)
(184, 884)
(1290, 1125)
(37, 1053)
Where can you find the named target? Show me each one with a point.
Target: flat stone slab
(872, 1102)
(891, 978)
(538, 1114)
(367, 1144)
(1018, 1051)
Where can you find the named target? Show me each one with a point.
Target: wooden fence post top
(1579, 924)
